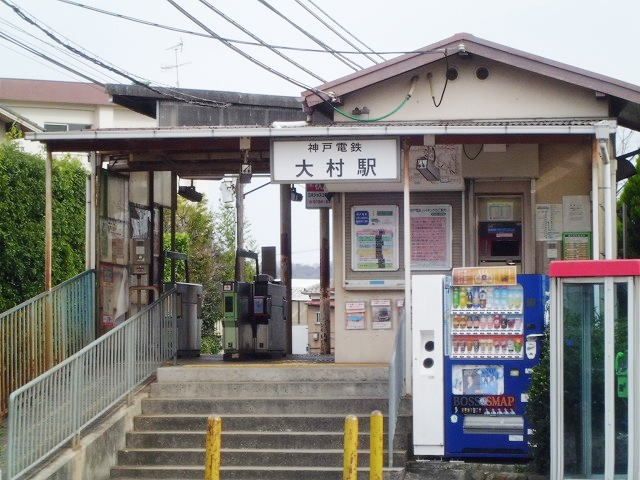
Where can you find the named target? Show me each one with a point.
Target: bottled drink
(469, 298)
(456, 297)
(517, 345)
(482, 296)
(512, 322)
(469, 322)
(476, 322)
(503, 321)
(496, 322)
(490, 297)
(476, 298)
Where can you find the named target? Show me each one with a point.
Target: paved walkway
(435, 470)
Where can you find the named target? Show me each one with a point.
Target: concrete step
(260, 422)
(235, 439)
(225, 406)
(246, 473)
(269, 389)
(303, 372)
(246, 457)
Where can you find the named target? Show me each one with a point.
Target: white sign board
(431, 240)
(316, 196)
(576, 213)
(374, 238)
(334, 160)
(548, 222)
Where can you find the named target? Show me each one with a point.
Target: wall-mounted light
(295, 196)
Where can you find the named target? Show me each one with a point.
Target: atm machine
(476, 338)
(254, 316)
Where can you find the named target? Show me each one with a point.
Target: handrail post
(75, 406)
(130, 339)
(212, 450)
(376, 429)
(350, 460)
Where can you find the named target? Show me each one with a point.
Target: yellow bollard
(212, 446)
(375, 445)
(350, 468)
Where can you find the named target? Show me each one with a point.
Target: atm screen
(505, 248)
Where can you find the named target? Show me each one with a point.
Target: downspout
(595, 202)
(602, 135)
(406, 197)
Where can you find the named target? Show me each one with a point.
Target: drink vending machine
(492, 323)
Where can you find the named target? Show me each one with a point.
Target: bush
(538, 410)
(22, 222)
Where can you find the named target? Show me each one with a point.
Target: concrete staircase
(282, 421)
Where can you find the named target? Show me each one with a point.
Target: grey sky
(590, 34)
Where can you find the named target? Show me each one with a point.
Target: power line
(317, 17)
(64, 55)
(261, 42)
(236, 49)
(348, 33)
(348, 62)
(240, 42)
(200, 101)
(49, 59)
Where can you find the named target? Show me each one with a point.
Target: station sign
(317, 196)
(335, 160)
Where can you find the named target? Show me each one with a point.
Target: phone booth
(595, 364)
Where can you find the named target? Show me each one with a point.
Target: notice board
(375, 238)
(431, 237)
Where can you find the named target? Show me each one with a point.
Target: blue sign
(362, 217)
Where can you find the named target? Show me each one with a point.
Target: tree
(22, 222)
(631, 197)
(208, 238)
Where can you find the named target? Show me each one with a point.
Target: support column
(239, 229)
(285, 255)
(595, 200)
(48, 253)
(174, 208)
(406, 197)
(325, 299)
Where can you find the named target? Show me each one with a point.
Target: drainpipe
(407, 269)
(602, 135)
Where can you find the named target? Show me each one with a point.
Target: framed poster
(576, 246)
(431, 237)
(374, 238)
(355, 315)
(380, 314)
(437, 167)
(576, 213)
(548, 222)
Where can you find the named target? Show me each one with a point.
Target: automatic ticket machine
(476, 338)
(254, 317)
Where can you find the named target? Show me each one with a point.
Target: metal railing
(52, 409)
(45, 330)
(396, 384)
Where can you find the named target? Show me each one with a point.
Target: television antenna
(177, 49)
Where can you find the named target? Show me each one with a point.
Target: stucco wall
(508, 92)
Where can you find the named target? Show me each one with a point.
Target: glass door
(593, 387)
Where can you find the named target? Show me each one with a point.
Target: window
(317, 318)
(64, 127)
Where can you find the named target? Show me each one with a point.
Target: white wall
(508, 92)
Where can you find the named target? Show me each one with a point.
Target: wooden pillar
(174, 209)
(48, 256)
(325, 300)
(285, 255)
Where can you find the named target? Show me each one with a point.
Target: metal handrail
(29, 344)
(396, 384)
(54, 408)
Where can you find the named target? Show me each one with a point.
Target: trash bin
(189, 319)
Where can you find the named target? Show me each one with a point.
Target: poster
(576, 213)
(355, 315)
(140, 219)
(477, 380)
(431, 241)
(112, 241)
(316, 196)
(374, 238)
(548, 222)
(439, 167)
(576, 246)
(500, 211)
(381, 314)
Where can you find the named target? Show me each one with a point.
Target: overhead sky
(597, 35)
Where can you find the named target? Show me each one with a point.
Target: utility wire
(349, 33)
(240, 42)
(49, 59)
(28, 19)
(261, 42)
(62, 54)
(317, 17)
(348, 62)
(236, 49)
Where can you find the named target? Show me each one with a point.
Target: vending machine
(486, 324)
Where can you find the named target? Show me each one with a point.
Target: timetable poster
(355, 315)
(374, 238)
(431, 237)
